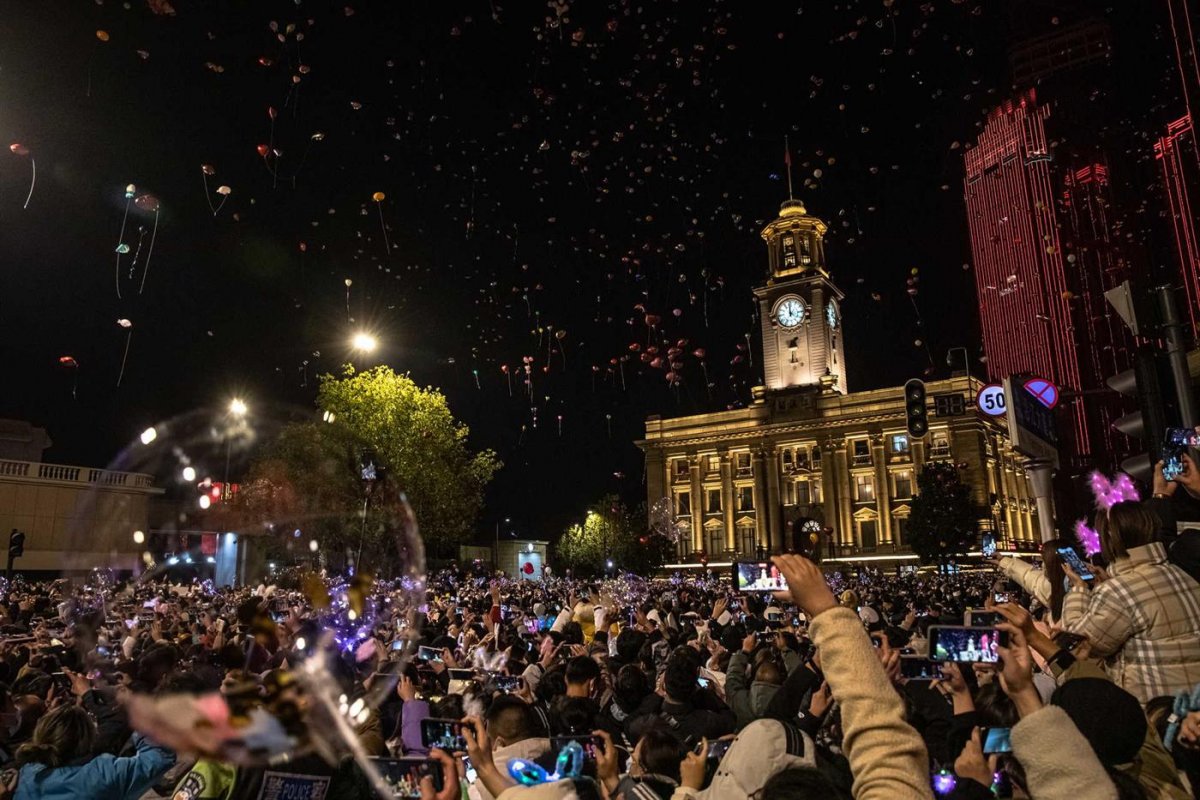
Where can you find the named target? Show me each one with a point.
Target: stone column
(760, 499)
(727, 498)
(883, 490)
(845, 516)
(694, 467)
(829, 489)
(773, 506)
(657, 479)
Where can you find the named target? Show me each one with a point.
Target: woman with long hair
(58, 762)
(1144, 620)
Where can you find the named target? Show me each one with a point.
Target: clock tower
(799, 306)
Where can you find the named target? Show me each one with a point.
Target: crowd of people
(485, 687)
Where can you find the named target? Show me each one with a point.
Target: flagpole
(787, 160)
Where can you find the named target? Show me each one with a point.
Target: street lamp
(364, 342)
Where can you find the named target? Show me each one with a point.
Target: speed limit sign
(991, 400)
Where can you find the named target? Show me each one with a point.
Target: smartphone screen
(996, 740)
(591, 745)
(1176, 442)
(508, 683)
(917, 668)
(1077, 564)
(717, 749)
(963, 644)
(757, 576)
(703, 682)
(531, 626)
(445, 734)
(989, 545)
(403, 775)
(429, 653)
(982, 618)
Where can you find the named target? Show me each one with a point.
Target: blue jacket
(104, 777)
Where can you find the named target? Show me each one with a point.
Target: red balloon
(527, 568)
(263, 150)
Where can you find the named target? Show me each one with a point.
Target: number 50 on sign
(991, 400)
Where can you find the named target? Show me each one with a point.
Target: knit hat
(764, 748)
(1110, 718)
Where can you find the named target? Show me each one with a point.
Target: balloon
(677, 312)
(349, 283)
(18, 149)
(207, 169)
(68, 361)
(102, 35)
(124, 323)
(271, 112)
(225, 190)
(263, 150)
(560, 335)
(122, 248)
(378, 197)
(130, 191)
(146, 202)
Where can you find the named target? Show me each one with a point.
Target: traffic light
(1149, 423)
(915, 413)
(16, 544)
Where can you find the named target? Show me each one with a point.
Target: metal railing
(62, 473)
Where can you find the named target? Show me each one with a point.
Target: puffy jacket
(1144, 621)
(749, 700)
(104, 776)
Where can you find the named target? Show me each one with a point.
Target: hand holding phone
(444, 734)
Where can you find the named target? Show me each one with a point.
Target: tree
(612, 531)
(944, 519)
(418, 441)
(309, 477)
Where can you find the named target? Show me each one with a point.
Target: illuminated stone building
(808, 451)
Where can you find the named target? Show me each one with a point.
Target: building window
(941, 446)
(743, 462)
(900, 526)
(864, 488)
(683, 504)
(714, 501)
(680, 467)
(789, 250)
(805, 250)
(685, 544)
(904, 484)
(747, 541)
(716, 541)
(862, 451)
(714, 463)
(787, 458)
(803, 497)
(867, 535)
(900, 443)
(802, 458)
(746, 498)
(816, 456)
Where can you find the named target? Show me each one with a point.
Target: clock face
(831, 315)
(790, 312)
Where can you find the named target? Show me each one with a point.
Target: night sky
(562, 183)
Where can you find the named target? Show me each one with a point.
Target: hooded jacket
(749, 700)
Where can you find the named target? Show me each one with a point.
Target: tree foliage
(418, 441)
(312, 471)
(613, 531)
(944, 519)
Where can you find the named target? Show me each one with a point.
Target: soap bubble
(234, 497)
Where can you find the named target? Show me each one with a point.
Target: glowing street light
(364, 342)
(238, 407)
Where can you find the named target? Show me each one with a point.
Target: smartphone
(1077, 564)
(398, 645)
(997, 740)
(103, 652)
(403, 775)
(426, 653)
(717, 749)
(988, 545)
(129, 623)
(1176, 442)
(531, 626)
(462, 674)
(469, 770)
(919, 668)
(704, 682)
(757, 576)
(1067, 640)
(508, 683)
(460, 611)
(982, 618)
(445, 734)
(965, 645)
(1001, 597)
(591, 745)
(765, 637)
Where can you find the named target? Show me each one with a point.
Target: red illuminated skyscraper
(1178, 156)
(1045, 252)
